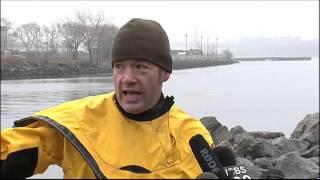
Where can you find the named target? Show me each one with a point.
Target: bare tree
(37, 38)
(52, 38)
(26, 34)
(105, 39)
(71, 32)
(89, 29)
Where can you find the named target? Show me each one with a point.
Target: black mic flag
(225, 155)
(228, 161)
(206, 158)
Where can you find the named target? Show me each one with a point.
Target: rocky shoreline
(12, 69)
(296, 157)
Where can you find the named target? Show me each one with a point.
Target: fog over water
(259, 96)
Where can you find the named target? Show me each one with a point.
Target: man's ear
(165, 76)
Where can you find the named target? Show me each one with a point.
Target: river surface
(259, 96)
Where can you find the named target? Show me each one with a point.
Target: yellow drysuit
(91, 138)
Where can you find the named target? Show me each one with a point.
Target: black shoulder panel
(20, 164)
(24, 122)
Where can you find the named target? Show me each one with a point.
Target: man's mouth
(131, 93)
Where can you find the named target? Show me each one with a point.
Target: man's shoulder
(179, 113)
(93, 99)
(187, 126)
(97, 97)
(182, 119)
(77, 105)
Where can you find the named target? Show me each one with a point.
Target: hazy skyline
(226, 20)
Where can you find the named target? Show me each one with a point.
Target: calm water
(259, 96)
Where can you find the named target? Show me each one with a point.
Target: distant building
(175, 52)
(195, 52)
(4, 39)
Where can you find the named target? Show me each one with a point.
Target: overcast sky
(226, 20)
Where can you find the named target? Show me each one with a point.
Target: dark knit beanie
(145, 40)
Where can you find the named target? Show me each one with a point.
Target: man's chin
(132, 109)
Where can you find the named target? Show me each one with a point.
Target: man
(134, 132)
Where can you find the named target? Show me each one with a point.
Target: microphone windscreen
(225, 155)
(228, 161)
(207, 160)
(207, 175)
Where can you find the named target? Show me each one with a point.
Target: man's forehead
(133, 61)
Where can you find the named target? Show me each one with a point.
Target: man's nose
(129, 76)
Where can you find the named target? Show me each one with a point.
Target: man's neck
(163, 106)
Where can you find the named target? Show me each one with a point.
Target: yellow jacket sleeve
(29, 150)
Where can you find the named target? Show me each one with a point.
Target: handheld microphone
(228, 161)
(207, 160)
(207, 175)
(225, 155)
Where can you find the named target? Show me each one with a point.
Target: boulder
(221, 134)
(312, 152)
(226, 144)
(241, 143)
(210, 122)
(288, 145)
(296, 167)
(264, 162)
(262, 148)
(308, 129)
(218, 132)
(237, 130)
(237, 150)
(273, 173)
(243, 139)
(315, 160)
(266, 135)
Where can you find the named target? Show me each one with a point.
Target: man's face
(138, 84)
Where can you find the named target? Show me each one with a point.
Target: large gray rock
(266, 135)
(312, 152)
(296, 167)
(243, 139)
(210, 122)
(315, 160)
(218, 131)
(272, 173)
(262, 148)
(288, 145)
(241, 143)
(221, 134)
(237, 130)
(226, 144)
(264, 162)
(237, 150)
(308, 129)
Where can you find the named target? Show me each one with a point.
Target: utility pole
(207, 48)
(186, 44)
(201, 47)
(216, 48)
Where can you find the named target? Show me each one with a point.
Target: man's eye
(140, 66)
(118, 66)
